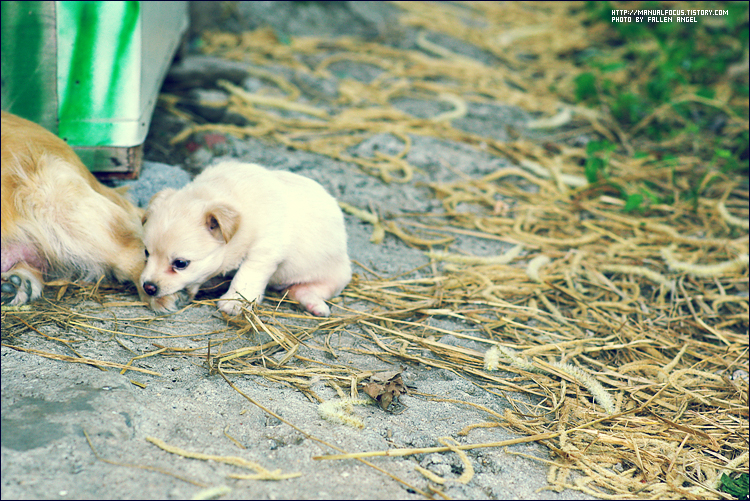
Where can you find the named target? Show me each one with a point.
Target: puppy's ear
(222, 222)
(155, 201)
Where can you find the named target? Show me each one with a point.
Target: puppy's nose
(150, 288)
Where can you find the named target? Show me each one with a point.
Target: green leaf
(594, 146)
(585, 86)
(706, 92)
(650, 195)
(593, 167)
(627, 108)
(633, 202)
(722, 153)
(735, 487)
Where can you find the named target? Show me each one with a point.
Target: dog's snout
(150, 288)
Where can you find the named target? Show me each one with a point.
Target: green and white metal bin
(90, 72)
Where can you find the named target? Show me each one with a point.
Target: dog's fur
(58, 221)
(275, 228)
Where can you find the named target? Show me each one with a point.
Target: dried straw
(650, 308)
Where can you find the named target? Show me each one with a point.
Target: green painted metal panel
(29, 73)
(90, 71)
(98, 72)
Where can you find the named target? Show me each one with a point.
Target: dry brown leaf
(385, 387)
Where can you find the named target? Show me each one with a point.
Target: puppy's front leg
(249, 283)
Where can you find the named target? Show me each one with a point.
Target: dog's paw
(319, 309)
(310, 296)
(19, 286)
(170, 302)
(230, 306)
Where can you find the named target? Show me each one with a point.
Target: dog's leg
(249, 283)
(312, 297)
(21, 284)
(313, 293)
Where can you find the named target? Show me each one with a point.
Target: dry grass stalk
(140, 466)
(621, 295)
(261, 472)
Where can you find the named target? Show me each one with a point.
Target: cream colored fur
(273, 228)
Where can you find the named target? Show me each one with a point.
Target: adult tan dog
(274, 228)
(58, 221)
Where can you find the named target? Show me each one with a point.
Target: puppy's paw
(230, 306)
(310, 296)
(231, 303)
(319, 309)
(170, 302)
(19, 286)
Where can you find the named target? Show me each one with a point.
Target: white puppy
(275, 228)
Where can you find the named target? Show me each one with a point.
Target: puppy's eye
(180, 264)
(146, 252)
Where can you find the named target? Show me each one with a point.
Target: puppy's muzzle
(150, 288)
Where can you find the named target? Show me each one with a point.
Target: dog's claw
(8, 292)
